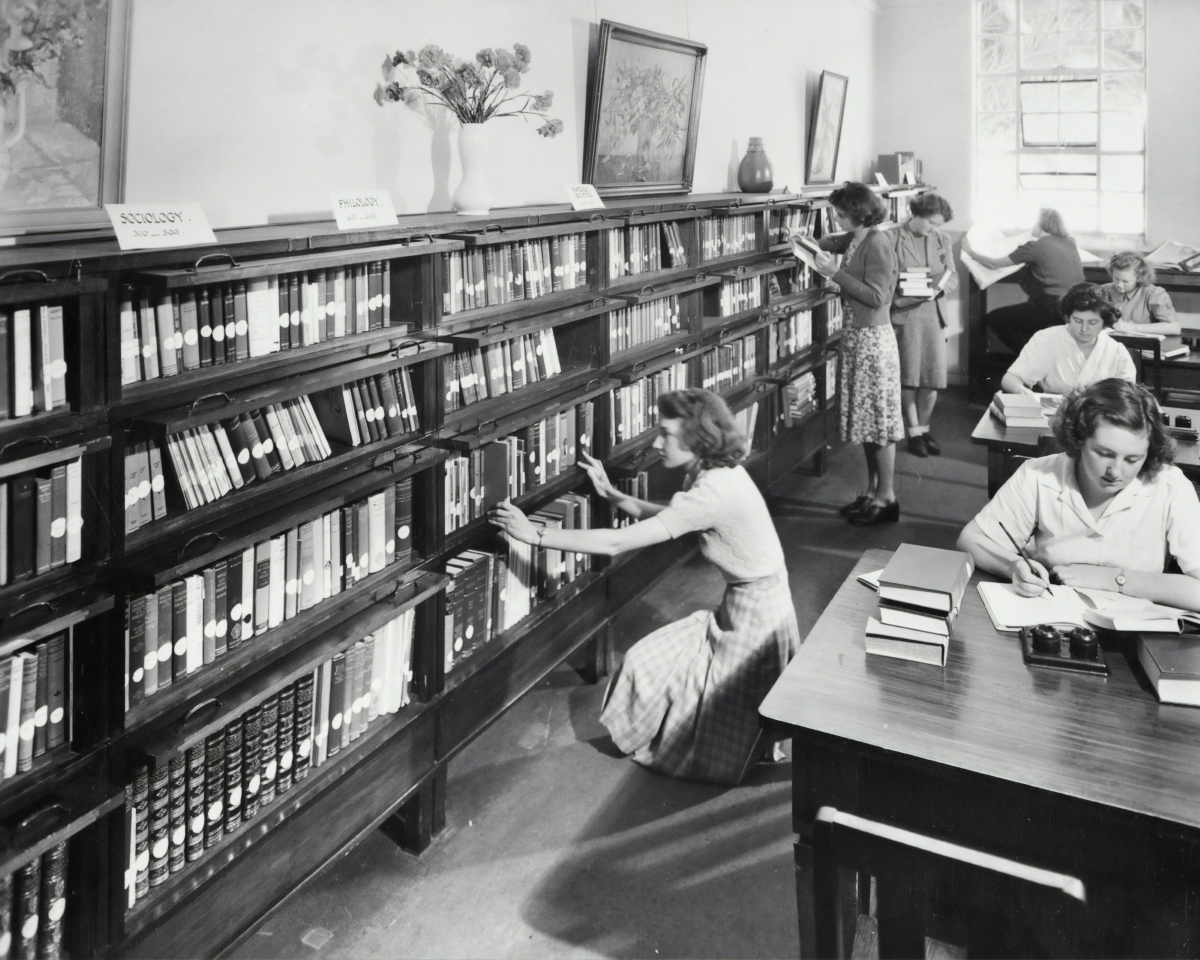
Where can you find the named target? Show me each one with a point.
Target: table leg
(806, 911)
(996, 462)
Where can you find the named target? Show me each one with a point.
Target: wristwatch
(1120, 581)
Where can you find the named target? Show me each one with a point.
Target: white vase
(473, 198)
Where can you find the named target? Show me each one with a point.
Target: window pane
(997, 132)
(1123, 173)
(1122, 213)
(996, 206)
(1076, 15)
(1000, 16)
(1058, 163)
(1078, 95)
(1078, 129)
(1123, 13)
(1058, 181)
(1121, 131)
(997, 54)
(998, 170)
(1039, 16)
(1125, 91)
(997, 93)
(1078, 49)
(1039, 129)
(1039, 96)
(1039, 51)
(1123, 49)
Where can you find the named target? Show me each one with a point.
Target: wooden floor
(555, 847)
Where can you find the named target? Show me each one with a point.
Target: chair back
(1146, 353)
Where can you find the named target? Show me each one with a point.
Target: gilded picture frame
(825, 129)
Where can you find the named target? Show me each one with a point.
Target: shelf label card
(585, 197)
(140, 226)
(362, 209)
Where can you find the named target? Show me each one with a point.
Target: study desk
(1072, 773)
(1006, 446)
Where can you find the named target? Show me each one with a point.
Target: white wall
(259, 108)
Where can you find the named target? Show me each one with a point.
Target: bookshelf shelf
(477, 415)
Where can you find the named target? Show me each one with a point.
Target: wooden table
(1008, 446)
(1072, 773)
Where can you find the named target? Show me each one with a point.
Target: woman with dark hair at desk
(1075, 353)
(1105, 513)
(870, 407)
(685, 701)
(1145, 308)
(1052, 266)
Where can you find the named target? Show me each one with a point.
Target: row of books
(182, 808)
(637, 486)
(789, 336)
(633, 408)
(725, 236)
(166, 334)
(642, 249)
(833, 314)
(641, 323)
(33, 364)
(728, 364)
(499, 368)
(513, 465)
(739, 295)
(35, 693)
(41, 521)
(807, 221)
(801, 396)
(33, 907)
(369, 410)
(501, 273)
(492, 592)
(215, 459)
(796, 279)
(191, 623)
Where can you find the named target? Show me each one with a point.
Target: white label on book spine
(142, 226)
(355, 211)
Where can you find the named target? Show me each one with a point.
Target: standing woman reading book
(685, 701)
(1106, 514)
(870, 408)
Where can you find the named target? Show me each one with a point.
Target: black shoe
(876, 514)
(917, 446)
(932, 446)
(858, 506)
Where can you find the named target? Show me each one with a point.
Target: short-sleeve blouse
(1143, 525)
(1053, 359)
(737, 533)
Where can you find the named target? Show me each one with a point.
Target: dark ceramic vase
(754, 172)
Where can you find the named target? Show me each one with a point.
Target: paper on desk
(1082, 607)
(990, 242)
(986, 276)
(1170, 253)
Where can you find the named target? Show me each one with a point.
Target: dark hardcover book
(214, 789)
(160, 824)
(251, 761)
(259, 421)
(333, 416)
(234, 750)
(53, 906)
(136, 654)
(196, 777)
(248, 439)
(285, 740)
(404, 519)
(262, 587)
(291, 583)
(58, 515)
(179, 629)
(348, 546)
(233, 601)
(190, 322)
(285, 315)
(22, 516)
(220, 608)
(926, 577)
(374, 295)
(158, 488)
(357, 680)
(241, 447)
(27, 882)
(176, 814)
(43, 506)
(372, 395)
(360, 413)
(28, 711)
(337, 703)
(585, 424)
(139, 793)
(6, 377)
(41, 707)
(204, 324)
(302, 728)
(268, 744)
(164, 603)
(229, 309)
(389, 525)
(241, 327)
(141, 496)
(56, 721)
(5, 681)
(294, 309)
(387, 293)
(209, 614)
(216, 315)
(177, 322)
(150, 649)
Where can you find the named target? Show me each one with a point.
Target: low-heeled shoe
(876, 514)
(860, 504)
(917, 446)
(932, 446)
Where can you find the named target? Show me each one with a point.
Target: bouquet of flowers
(33, 33)
(475, 91)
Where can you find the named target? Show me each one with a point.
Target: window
(1060, 116)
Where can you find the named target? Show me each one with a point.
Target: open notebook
(1084, 608)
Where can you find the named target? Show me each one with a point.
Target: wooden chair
(1138, 348)
(929, 888)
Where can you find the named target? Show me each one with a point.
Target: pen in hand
(1021, 553)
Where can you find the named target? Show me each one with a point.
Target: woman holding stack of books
(925, 260)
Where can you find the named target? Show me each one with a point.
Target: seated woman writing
(685, 701)
(1145, 308)
(1075, 353)
(1105, 514)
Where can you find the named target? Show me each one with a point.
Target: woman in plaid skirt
(685, 701)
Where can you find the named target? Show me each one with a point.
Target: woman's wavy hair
(1089, 296)
(927, 204)
(859, 203)
(1051, 221)
(1123, 404)
(706, 427)
(1126, 260)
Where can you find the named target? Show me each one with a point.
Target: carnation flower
(542, 103)
(551, 128)
(484, 57)
(523, 55)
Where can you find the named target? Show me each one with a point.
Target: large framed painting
(643, 112)
(825, 131)
(62, 111)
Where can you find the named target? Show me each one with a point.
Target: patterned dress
(685, 701)
(870, 411)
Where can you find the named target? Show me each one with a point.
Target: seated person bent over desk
(1076, 353)
(1144, 307)
(1103, 515)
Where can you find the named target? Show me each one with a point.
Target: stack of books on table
(915, 282)
(920, 591)
(1021, 409)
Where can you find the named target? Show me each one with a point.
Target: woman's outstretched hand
(595, 472)
(513, 522)
(826, 263)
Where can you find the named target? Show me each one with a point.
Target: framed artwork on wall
(825, 130)
(643, 112)
(62, 112)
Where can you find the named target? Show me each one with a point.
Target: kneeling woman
(1102, 515)
(685, 701)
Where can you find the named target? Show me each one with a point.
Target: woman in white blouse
(1106, 514)
(1075, 353)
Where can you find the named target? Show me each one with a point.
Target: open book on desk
(1081, 608)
